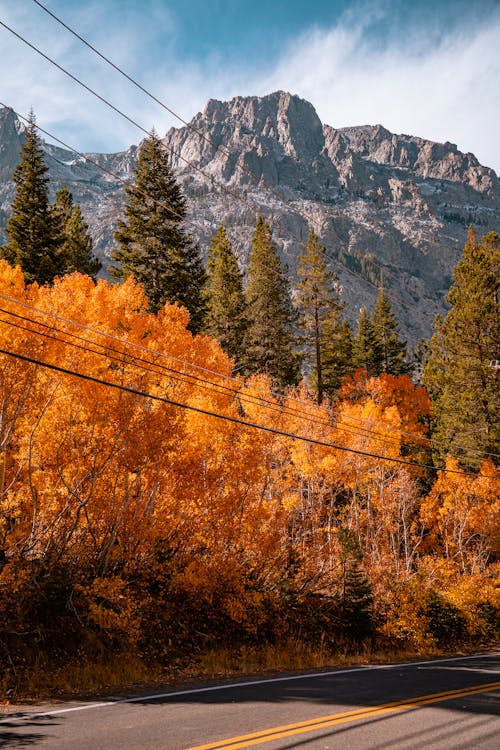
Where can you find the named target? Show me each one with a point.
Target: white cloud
(421, 80)
(447, 91)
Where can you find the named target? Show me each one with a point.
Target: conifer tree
(338, 354)
(269, 340)
(225, 301)
(367, 353)
(34, 235)
(154, 246)
(464, 388)
(318, 301)
(385, 326)
(77, 248)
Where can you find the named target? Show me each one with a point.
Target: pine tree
(153, 244)
(367, 352)
(464, 388)
(318, 300)
(34, 235)
(77, 248)
(225, 301)
(385, 326)
(338, 354)
(269, 341)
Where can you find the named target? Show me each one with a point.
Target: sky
(423, 67)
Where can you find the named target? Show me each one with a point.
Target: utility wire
(261, 400)
(139, 126)
(218, 147)
(241, 395)
(126, 182)
(114, 108)
(227, 418)
(165, 371)
(212, 179)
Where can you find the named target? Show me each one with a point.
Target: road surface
(444, 704)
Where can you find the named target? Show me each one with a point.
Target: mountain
(383, 204)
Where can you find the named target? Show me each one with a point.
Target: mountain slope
(395, 205)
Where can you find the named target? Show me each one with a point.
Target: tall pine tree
(225, 301)
(77, 247)
(269, 340)
(319, 304)
(34, 234)
(154, 246)
(392, 349)
(464, 388)
(366, 351)
(338, 354)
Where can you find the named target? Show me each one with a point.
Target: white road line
(249, 683)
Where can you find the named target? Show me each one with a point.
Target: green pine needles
(269, 340)
(34, 234)
(154, 246)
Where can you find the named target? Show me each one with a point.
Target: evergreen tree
(153, 244)
(269, 340)
(367, 352)
(77, 248)
(34, 235)
(385, 326)
(463, 387)
(318, 300)
(225, 301)
(338, 354)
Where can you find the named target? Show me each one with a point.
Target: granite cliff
(395, 205)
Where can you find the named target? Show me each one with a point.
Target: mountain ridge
(382, 203)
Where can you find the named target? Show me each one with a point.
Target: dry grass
(290, 656)
(41, 681)
(126, 670)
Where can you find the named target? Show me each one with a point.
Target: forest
(190, 461)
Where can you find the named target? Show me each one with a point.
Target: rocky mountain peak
(259, 132)
(383, 203)
(428, 159)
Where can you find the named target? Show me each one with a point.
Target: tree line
(260, 324)
(256, 323)
(128, 524)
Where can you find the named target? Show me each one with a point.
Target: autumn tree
(154, 246)
(225, 300)
(392, 350)
(77, 247)
(463, 387)
(269, 340)
(34, 235)
(318, 301)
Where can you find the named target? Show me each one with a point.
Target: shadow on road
(19, 731)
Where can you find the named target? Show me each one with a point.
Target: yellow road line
(275, 733)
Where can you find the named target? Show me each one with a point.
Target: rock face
(383, 204)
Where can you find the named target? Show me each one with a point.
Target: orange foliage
(160, 515)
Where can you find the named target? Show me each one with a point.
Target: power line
(125, 182)
(227, 418)
(198, 169)
(236, 161)
(262, 400)
(112, 106)
(164, 370)
(217, 146)
(144, 130)
(240, 394)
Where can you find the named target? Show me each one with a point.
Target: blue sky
(424, 67)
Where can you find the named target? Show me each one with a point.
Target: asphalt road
(441, 704)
